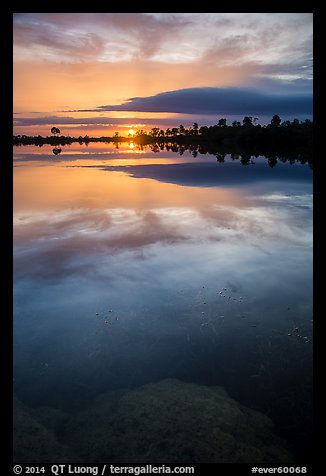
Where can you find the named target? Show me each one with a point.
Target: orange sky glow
(93, 65)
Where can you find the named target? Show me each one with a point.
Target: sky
(96, 73)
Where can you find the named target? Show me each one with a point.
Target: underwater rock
(34, 443)
(173, 422)
(52, 418)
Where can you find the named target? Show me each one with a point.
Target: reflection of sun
(131, 132)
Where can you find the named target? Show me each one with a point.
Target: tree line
(249, 134)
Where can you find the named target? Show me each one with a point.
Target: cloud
(99, 121)
(84, 59)
(223, 38)
(80, 126)
(216, 101)
(48, 120)
(48, 40)
(75, 37)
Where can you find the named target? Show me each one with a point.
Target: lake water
(132, 267)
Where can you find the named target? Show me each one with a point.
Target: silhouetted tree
(276, 121)
(234, 156)
(195, 129)
(55, 131)
(245, 159)
(220, 156)
(140, 132)
(203, 130)
(222, 122)
(247, 121)
(272, 161)
(182, 130)
(154, 132)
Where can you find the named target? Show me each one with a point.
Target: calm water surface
(131, 267)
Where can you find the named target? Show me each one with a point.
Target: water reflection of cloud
(303, 200)
(64, 224)
(55, 246)
(208, 174)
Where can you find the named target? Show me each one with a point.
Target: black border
(6, 215)
(6, 223)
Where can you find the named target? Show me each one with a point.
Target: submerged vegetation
(169, 420)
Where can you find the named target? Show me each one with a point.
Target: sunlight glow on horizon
(74, 64)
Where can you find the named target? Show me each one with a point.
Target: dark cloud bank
(216, 101)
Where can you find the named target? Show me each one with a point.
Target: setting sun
(131, 132)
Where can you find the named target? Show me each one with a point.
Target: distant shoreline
(63, 140)
(276, 135)
(289, 140)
